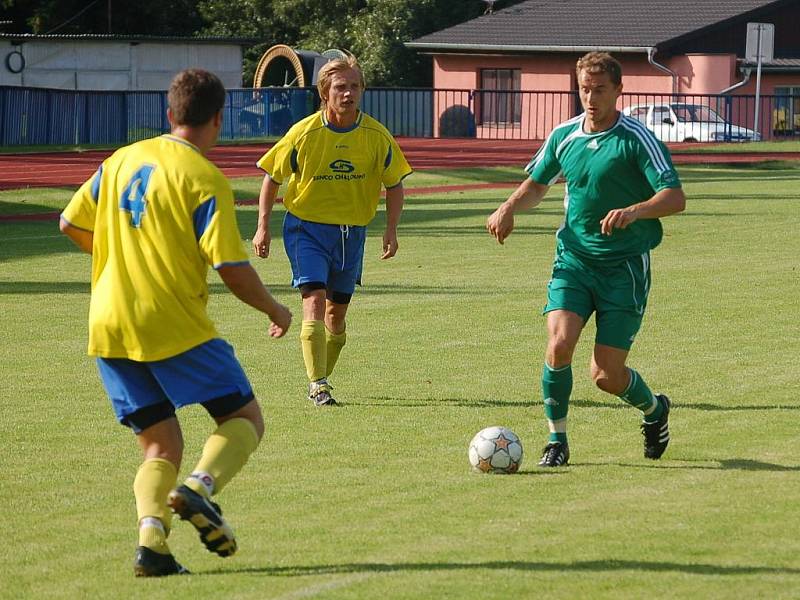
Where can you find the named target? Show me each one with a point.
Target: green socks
(639, 396)
(556, 389)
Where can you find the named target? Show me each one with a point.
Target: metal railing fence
(43, 117)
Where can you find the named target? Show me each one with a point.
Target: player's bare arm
(266, 199)
(527, 196)
(82, 238)
(243, 281)
(395, 197)
(663, 204)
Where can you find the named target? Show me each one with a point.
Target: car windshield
(696, 113)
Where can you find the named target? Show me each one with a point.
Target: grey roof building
(619, 25)
(515, 60)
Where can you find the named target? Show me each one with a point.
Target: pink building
(523, 57)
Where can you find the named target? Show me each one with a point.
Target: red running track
(70, 169)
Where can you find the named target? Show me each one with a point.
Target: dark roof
(782, 65)
(582, 25)
(94, 37)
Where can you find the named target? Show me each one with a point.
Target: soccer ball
(495, 450)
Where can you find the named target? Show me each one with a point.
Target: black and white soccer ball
(495, 450)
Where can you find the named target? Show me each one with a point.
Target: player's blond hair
(331, 68)
(195, 96)
(600, 62)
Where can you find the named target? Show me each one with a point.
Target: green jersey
(615, 168)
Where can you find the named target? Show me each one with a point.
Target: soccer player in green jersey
(154, 217)
(334, 162)
(619, 181)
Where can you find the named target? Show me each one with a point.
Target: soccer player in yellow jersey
(334, 163)
(154, 217)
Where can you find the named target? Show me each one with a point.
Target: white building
(114, 62)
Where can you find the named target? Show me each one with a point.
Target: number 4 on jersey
(133, 200)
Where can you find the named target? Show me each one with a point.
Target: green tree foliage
(376, 30)
(255, 19)
(142, 17)
(373, 30)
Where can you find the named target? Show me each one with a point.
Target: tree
(254, 19)
(143, 17)
(374, 30)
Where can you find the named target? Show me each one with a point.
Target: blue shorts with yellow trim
(616, 292)
(204, 373)
(328, 254)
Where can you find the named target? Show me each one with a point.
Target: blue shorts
(328, 254)
(202, 374)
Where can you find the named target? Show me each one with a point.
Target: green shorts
(617, 293)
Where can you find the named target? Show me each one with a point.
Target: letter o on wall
(15, 62)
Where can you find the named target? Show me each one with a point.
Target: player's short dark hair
(600, 62)
(337, 65)
(195, 96)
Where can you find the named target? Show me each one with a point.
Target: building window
(786, 116)
(504, 106)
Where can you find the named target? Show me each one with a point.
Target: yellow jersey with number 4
(160, 213)
(335, 175)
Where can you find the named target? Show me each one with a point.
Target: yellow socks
(321, 348)
(154, 480)
(334, 343)
(152, 535)
(224, 454)
(313, 343)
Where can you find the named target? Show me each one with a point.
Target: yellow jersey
(335, 175)
(160, 213)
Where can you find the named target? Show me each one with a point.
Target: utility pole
(109, 16)
(760, 47)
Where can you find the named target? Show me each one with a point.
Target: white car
(684, 122)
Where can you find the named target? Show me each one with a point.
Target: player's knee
(336, 311)
(157, 432)
(559, 352)
(313, 301)
(244, 407)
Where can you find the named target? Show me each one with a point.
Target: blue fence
(36, 117)
(271, 111)
(40, 117)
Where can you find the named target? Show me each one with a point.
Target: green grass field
(375, 498)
